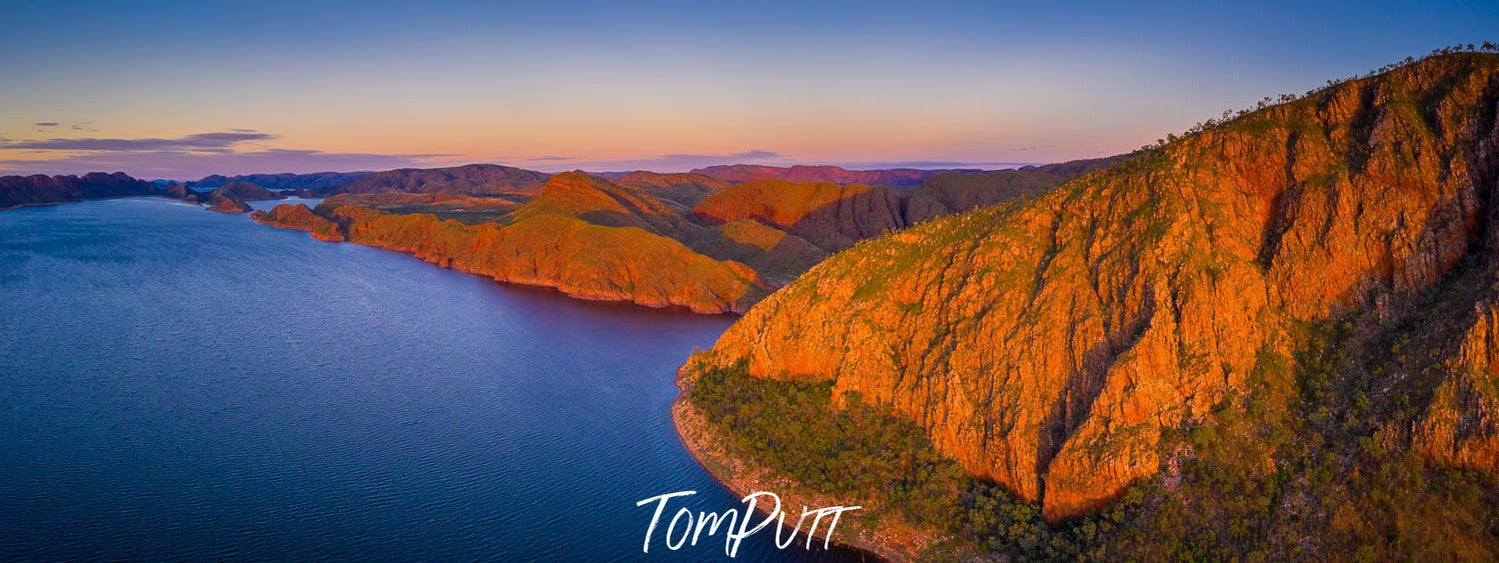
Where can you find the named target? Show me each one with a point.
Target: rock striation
(1047, 344)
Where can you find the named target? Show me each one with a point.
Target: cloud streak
(184, 165)
(206, 142)
(190, 157)
(676, 162)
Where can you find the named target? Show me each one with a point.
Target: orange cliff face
(1046, 345)
(549, 242)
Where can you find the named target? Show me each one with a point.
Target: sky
(179, 90)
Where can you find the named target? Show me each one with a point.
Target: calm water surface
(178, 384)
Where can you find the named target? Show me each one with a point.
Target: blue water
(176, 383)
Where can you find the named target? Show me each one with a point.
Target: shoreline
(884, 536)
(70, 201)
(544, 284)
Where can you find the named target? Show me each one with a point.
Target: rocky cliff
(1049, 345)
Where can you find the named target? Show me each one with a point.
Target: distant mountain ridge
(317, 181)
(18, 191)
(472, 179)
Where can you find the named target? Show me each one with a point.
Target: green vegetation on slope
(1333, 487)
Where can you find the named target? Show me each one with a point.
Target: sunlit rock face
(1046, 345)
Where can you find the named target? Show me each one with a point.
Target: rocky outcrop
(473, 179)
(298, 216)
(1046, 345)
(20, 191)
(831, 216)
(897, 177)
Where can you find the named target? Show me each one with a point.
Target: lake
(180, 384)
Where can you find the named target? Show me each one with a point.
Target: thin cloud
(678, 162)
(208, 142)
(191, 165)
(930, 164)
(755, 154)
(551, 158)
(46, 124)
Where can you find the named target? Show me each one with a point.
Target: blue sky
(181, 89)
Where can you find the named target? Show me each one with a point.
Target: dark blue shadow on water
(179, 384)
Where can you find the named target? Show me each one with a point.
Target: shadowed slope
(831, 216)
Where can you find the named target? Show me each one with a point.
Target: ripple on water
(183, 384)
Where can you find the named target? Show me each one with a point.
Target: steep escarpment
(18, 191)
(1054, 345)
